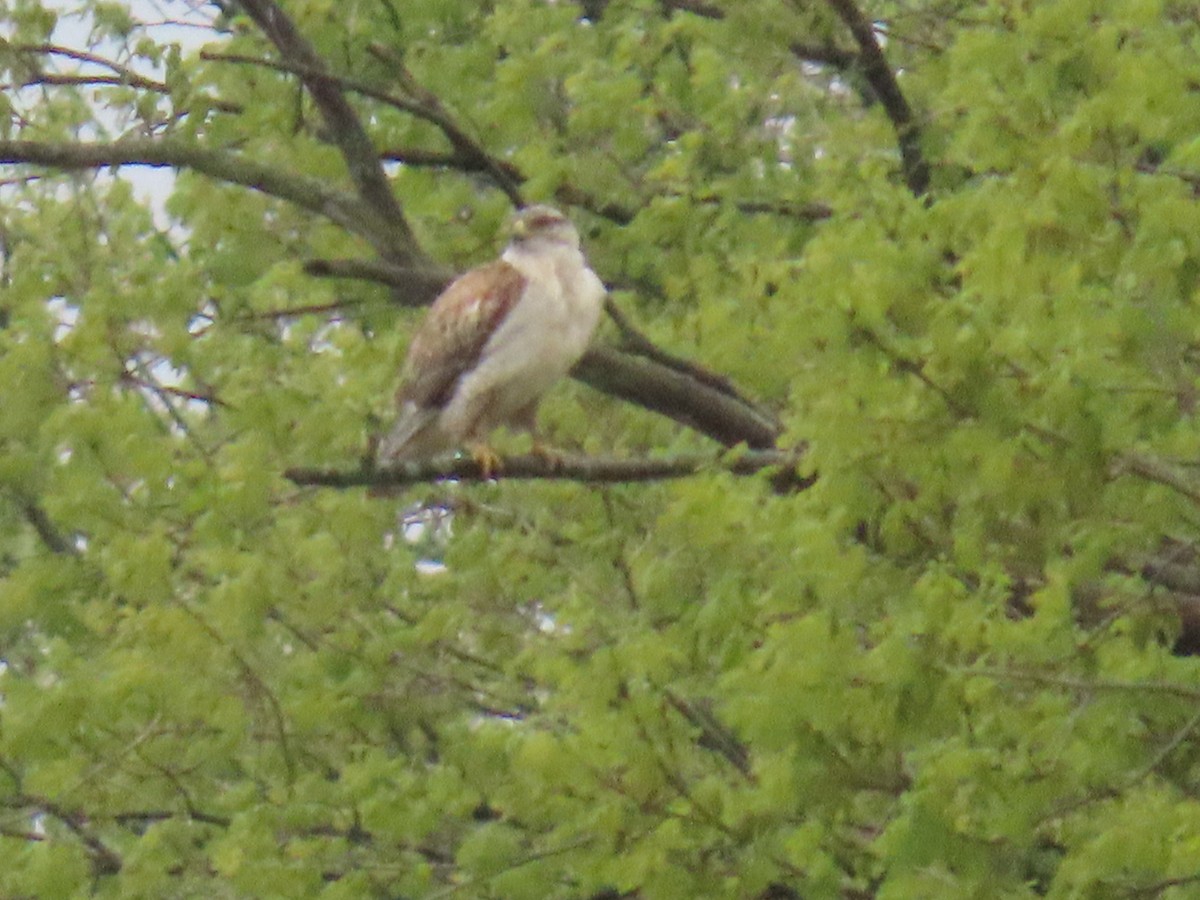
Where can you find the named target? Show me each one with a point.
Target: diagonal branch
(665, 390)
(713, 734)
(637, 343)
(105, 860)
(55, 541)
(883, 82)
(464, 145)
(414, 286)
(345, 128)
(1157, 471)
(307, 193)
(586, 469)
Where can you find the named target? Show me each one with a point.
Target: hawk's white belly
(538, 342)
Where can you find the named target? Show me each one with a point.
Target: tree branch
(105, 861)
(695, 7)
(122, 76)
(463, 144)
(635, 342)
(414, 286)
(1157, 471)
(396, 240)
(824, 54)
(55, 540)
(1087, 685)
(714, 735)
(883, 82)
(307, 193)
(470, 157)
(678, 396)
(586, 469)
(467, 154)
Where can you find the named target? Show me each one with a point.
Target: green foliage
(944, 670)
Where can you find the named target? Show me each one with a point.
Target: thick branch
(345, 129)
(883, 82)
(678, 396)
(634, 341)
(307, 193)
(588, 469)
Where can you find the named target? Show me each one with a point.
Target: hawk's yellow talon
(489, 462)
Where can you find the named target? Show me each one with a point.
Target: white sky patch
(188, 24)
(427, 529)
(65, 314)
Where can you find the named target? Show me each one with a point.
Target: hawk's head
(535, 224)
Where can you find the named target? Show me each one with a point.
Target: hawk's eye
(544, 221)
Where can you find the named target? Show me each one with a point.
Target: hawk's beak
(520, 228)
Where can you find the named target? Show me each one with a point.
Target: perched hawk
(495, 341)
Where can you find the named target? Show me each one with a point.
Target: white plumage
(496, 340)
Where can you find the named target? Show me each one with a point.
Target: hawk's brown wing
(451, 338)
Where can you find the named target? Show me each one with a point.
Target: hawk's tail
(415, 435)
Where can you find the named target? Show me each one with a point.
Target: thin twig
(55, 540)
(122, 75)
(462, 142)
(182, 393)
(713, 734)
(1157, 471)
(1169, 688)
(256, 682)
(913, 367)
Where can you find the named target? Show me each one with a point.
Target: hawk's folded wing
(453, 335)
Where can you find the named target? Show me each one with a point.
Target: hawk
(495, 341)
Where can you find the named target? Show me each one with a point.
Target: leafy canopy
(953, 248)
